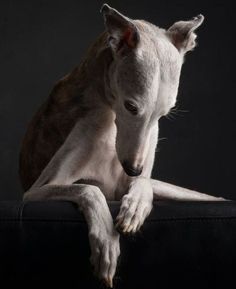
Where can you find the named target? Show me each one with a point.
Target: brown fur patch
(55, 119)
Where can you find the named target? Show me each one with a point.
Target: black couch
(182, 244)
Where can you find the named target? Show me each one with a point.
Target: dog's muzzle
(130, 170)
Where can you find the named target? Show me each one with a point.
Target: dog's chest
(103, 167)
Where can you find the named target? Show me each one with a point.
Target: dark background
(40, 41)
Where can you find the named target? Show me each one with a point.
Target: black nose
(130, 170)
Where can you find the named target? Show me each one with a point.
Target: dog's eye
(131, 107)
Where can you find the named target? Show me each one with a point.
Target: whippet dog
(94, 138)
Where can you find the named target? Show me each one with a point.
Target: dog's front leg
(166, 191)
(103, 238)
(136, 206)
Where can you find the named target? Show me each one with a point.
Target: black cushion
(182, 244)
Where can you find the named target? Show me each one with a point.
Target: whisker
(170, 116)
(174, 112)
(157, 150)
(162, 138)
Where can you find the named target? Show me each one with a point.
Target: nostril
(130, 170)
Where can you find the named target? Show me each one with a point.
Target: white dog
(94, 138)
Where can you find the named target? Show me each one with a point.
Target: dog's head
(144, 78)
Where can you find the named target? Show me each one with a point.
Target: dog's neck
(93, 73)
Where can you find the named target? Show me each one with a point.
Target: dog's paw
(105, 250)
(133, 212)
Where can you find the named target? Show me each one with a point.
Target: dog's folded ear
(182, 33)
(123, 34)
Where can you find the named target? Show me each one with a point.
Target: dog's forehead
(156, 43)
(149, 33)
(139, 69)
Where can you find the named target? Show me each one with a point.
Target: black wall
(40, 41)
